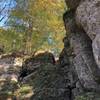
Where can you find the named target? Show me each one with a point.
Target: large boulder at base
(49, 81)
(52, 82)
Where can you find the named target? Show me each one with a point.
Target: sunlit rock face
(88, 17)
(82, 21)
(83, 59)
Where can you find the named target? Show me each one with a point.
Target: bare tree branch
(2, 18)
(2, 9)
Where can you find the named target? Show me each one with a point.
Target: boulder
(33, 63)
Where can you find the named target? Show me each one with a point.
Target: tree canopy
(33, 25)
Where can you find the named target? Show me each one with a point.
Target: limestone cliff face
(83, 23)
(88, 17)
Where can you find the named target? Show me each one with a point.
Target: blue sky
(7, 5)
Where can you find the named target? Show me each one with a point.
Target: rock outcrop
(88, 17)
(33, 63)
(82, 21)
(50, 80)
